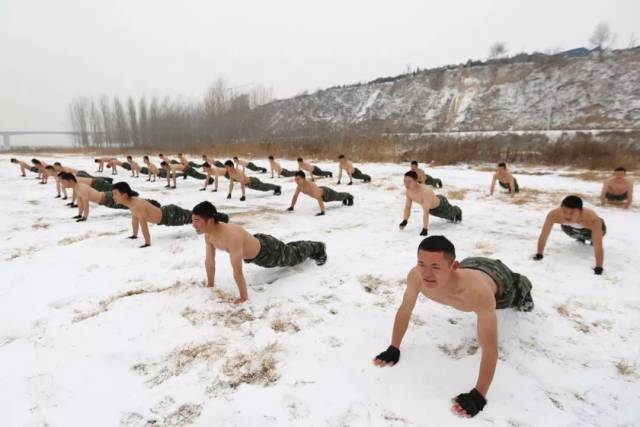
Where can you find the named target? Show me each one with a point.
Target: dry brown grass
(459, 194)
(625, 368)
(257, 368)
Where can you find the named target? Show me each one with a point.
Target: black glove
(65, 198)
(81, 219)
(69, 204)
(242, 199)
(320, 214)
(57, 197)
(338, 183)
(391, 354)
(424, 232)
(146, 245)
(538, 257)
(403, 223)
(203, 189)
(229, 196)
(350, 183)
(598, 270)
(76, 217)
(74, 205)
(290, 209)
(167, 186)
(132, 237)
(472, 402)
(214, 190)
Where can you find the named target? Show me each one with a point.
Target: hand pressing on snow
(467, 405)
(389, 357)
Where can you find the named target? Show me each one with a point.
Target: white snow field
(96, 332)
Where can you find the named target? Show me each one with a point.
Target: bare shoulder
(413, 279)
(554, 215)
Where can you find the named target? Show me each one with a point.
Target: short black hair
(301, 174)
(49, 167)
(439, 244)
(204, 156)
(14, 160)
(620, 169)
(235, 158)
(179, 154)
(145, 157)
(57, 164)
(154, 203)
(206, 210)
(300, 159)
(271, 158)
(35, 161)
(572, 202)
(160, 155)
(341, 156)
(67, 176)
(164, 163)
(129, 157)
(411, 174)
(206, 165)
(229, 163)
(502, 165)
(124, 188)
(414, 162)
(97, 160)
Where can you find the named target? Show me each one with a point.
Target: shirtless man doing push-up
(321, 194)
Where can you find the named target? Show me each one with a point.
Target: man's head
(161, 155)
(129, 158)
(342, 159)
(58, 164)
(204, 157)
(414, 165)
(205, 214)
(271, 158)
(67, 179)
(300, 177)
(228, 165)
(14, 160)
(436, 261)
(571, 208)
(122, 192)
(180, 155)
(620, 172)
(410, 180)
(164, 164)
(206, 165)
(49, 168)
(145, 159)
(300, 160)
(235, 158)
(35, 162)
(502, 167)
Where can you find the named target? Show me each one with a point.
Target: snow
(94, 331)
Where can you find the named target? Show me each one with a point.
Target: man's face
(570, 214)
(198, 223)
(342, 161)
(501, 170)
(409, 183)
(228, 168)
(619, 174)
(435, 270)
(66, 183)
(414, 167)
(117, 196)
(299, 180)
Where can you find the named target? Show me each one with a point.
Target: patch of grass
(625, 368)
(257, 368)
(458, 194)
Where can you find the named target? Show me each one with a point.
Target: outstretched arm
(488, 340)
(598, 249)
(339, 174)
(407, 211)
(629, 196)
(294, 199)
(235, 255)
(210, 263)
(603, 193)
(544, 234)
(493, 185)
(145, 231)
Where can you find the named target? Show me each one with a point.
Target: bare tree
(633, 42)
(95, 120)
(602, 38)
(216, 100)
(134, 133)
(143, 122)
(260, 95)
(107, 120)
(120, 118)
(497, 50)
(78, 116)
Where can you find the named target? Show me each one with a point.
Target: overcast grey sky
(54, 50)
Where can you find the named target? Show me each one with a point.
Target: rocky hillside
(529, 92)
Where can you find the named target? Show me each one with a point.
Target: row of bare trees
(170, 121)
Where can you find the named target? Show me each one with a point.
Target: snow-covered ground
(96, 332)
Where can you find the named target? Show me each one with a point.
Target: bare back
(424, 196)
(232, 238)
(311, 189)
(145, 211)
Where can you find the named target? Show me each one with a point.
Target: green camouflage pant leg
(613, 198)
(101, 185)
(446, 210)
(287, 173)
(108, 201)
(359, 175)
(83, 174)
(319, 172)
(194, 173)
(275, 253)
(582, 234)
(218, 164)
(34, 169)
(126, 166)
(506, 186)
(514, 290)
(434, 182)
(194, 165)
(256, 184)
(175, 162)
(252, 166)
(329, 195)
(173, 216)
(144, 170)
(162, 173)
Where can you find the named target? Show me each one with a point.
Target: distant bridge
(6, 135)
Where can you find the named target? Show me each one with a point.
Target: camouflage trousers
(275, 253)
(446, 210)
(287, 173)
(329, 195)
(359, 175)
(126, 166)
(434, 182)
(256, 184)
(619, 198)
(218, 164)
(319, 172)
(506, 185)
(84, 174)
(252, 166)
(193, 173)
(173, 215)
(108, 201)
(101, 184)
(581, 234)
(34, 169)
(514, 290)
(194, 165)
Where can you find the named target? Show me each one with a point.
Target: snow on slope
(94, 331)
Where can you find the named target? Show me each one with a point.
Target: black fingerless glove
(538, 257)
(320, 214)
(57, 197)
(229, 196)
(472, 402)
(391, 354)
(132, 237)
(598, 270)
(242, 199)
(81, 219)
(146, 245)
(403, 223)
(203, 189)
(424, 232)
(69, 204)
(290, 208)
(76, 217)
(351, 183)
